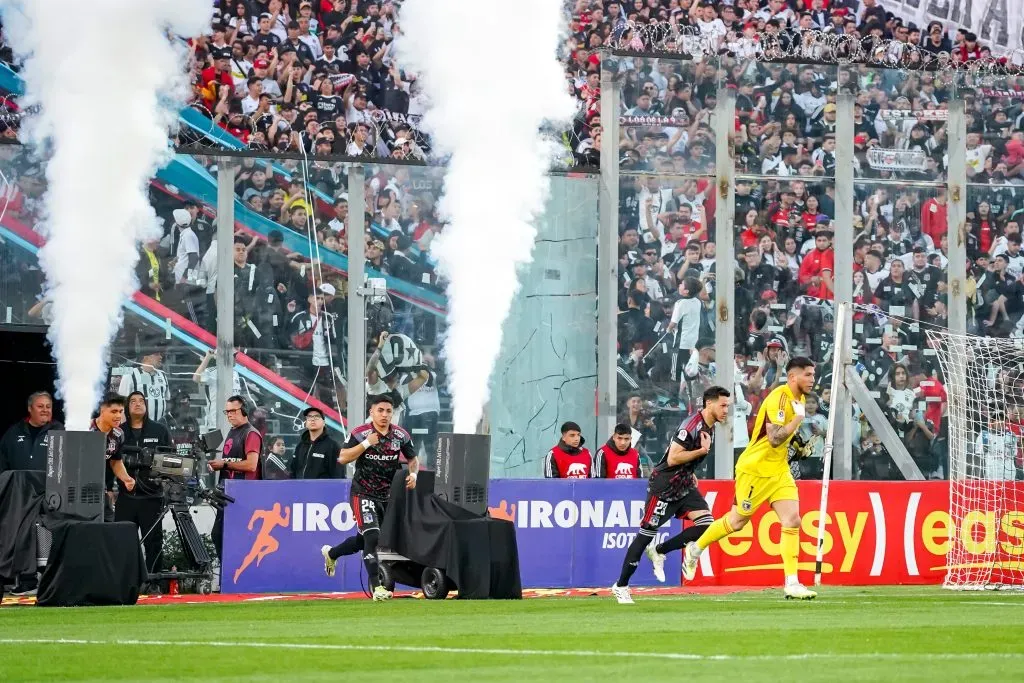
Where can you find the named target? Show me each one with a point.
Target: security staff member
(316, 455)
(240, 458)
(144, 503)
(24, 445)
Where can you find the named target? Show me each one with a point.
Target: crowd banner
(997, 23)
(574, 533)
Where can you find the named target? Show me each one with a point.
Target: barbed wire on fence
(807, 45)
(395, 133)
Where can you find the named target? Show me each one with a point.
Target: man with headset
(240, 457)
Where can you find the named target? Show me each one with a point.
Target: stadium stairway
(150, 313)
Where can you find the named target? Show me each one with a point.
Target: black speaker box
(75, 465)
(462, 470)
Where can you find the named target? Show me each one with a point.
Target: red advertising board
(875, 533)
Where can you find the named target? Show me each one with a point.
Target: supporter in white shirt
(659, 201)
(976, 153)
(1011, 249)
(686, 317)
(187, 256)
(206, 377)
(741, 410)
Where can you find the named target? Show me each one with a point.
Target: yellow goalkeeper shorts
(752, 491)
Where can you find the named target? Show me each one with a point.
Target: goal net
(984, 381)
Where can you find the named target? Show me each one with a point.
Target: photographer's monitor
(75, 467)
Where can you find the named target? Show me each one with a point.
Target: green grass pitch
(847, 634)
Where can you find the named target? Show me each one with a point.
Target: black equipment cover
(477, 553)
(92, 563)
(21, 500)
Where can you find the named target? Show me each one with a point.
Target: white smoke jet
(487, 118)
(106, 76)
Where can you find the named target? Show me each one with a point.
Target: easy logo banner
(574, 533)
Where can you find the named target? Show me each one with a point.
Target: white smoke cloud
(105, 76)
(487, 104)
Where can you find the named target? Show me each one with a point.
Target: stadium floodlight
(984, 380)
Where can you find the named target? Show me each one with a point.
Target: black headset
(242, 402)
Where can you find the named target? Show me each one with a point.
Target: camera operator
(144, 503)
(240, 458)
(316, 455)
(108, 421)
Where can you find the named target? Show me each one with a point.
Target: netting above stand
(984, 382)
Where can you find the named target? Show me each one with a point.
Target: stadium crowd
(321, 77)
(784, 151)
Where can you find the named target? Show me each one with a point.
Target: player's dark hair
(715, 392)
(112, 400)
(799, 363)
(241, 403)
(570, 427)
(382, 398)
(623, 430)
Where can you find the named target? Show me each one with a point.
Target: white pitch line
(520, 653)
(838, 601)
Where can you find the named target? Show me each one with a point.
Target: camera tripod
(200, 564)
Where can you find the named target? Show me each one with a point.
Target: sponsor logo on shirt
(623, 471)
(577, 470)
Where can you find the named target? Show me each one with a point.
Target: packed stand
(747, 29)
(785, 208)
(317, 77)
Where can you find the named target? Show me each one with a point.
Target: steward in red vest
(569, 459)
(617, 459)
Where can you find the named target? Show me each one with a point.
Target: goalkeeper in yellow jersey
(763, 476)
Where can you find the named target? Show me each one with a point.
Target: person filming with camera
(240, 457)
(108, 421)
(144, 503)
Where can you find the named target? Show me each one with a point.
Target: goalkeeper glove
(798, 448)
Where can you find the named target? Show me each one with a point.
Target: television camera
(176, 474)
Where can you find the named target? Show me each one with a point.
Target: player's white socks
(792, 580)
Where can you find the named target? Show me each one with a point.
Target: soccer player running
(672, 491)
(763, 476)
(375, 447)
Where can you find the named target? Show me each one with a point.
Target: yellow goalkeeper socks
(719, 529)
(790, 549)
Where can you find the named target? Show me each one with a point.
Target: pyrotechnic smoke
(106, 77)
(488, 119)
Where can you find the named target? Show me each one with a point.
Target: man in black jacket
(23, 447)
(144, 503)
(316, 456)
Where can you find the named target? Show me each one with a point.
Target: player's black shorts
(367, 512)
(657, 511)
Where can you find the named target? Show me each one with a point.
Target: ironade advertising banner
(574, 533)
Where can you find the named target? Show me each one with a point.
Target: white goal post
(984, 383)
